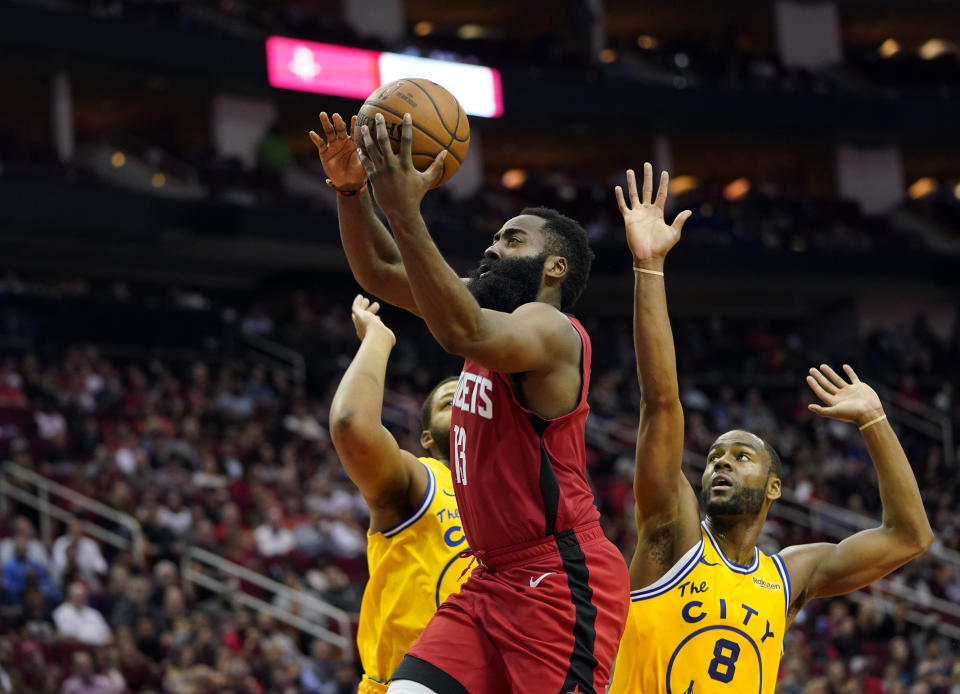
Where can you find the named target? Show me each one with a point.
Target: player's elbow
(924, 539)
(916, 540)
(457, 338)
(371, 279)
(344, 425)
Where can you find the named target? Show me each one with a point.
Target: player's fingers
(834, 377)
(383, 139)
(374, 307)
(816, 409)
(681, 219)
(406, 140)
(368, 166)
(818, 389)
(339, 126)
(328, 131)
(851, 374)
(632, 189)
(621, 203)
(435, 170)
(647, 183)
(357, 135)
(370, 148)
(662, 189)
(823, 381)
(353, 125)
(318, 141)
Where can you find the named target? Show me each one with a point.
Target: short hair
(428, 402)
(566, 238)
(776, 466)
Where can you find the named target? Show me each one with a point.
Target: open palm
(849, 402)
(648, 234)
(338, 152)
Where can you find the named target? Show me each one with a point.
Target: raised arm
(535, 337)
(391, 479)
(667, 511)
(371, 251)
(824, 569)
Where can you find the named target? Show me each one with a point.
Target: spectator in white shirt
(175, 516)
(89, 559)
(272, 538)
(76, 620)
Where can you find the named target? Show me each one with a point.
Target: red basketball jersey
(517, 477)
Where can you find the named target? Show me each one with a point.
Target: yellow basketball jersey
(708, 626)
(413, 567)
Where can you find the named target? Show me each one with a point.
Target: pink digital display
(323, 68)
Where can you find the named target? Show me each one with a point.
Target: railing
(43, 496)
(49, 498)
(227, 583)
(274, 354)
(922, 418)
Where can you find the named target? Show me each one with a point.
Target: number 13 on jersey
(460, 454)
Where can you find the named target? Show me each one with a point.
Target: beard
(746, 501)
(508, 284)
(441, 439)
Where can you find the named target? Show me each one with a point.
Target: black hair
(566, 238)
(428, 403)
(776, 466)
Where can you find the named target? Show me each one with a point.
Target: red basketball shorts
(540, 617)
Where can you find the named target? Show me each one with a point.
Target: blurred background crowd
(174, 308)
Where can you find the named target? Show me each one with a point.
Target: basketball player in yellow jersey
(415, 536)
(708, 609)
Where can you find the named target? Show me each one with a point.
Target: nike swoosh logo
(534, 584)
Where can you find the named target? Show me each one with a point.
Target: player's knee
(408, 687)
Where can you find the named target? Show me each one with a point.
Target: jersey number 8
(723, 665)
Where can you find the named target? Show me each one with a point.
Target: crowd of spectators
(233, 457)
(728, 57)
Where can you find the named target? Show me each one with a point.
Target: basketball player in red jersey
(546, 609)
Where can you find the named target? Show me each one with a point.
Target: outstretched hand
(849, 402)
(648, 234)
(397, 185)
(338, 153)
(366, 320)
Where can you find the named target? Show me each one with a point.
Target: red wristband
(348, 193)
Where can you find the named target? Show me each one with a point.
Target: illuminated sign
(324, 68)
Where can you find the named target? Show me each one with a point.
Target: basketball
(439, 121)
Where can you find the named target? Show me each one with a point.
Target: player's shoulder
(541, 310)
(550, 320)
(810, 552)
(800, 561)
(437, 467)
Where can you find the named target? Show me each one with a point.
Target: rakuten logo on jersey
(473, 395)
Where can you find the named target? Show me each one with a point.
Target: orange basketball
(438, 121)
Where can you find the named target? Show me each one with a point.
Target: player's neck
(549, 295)
(737, 536)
